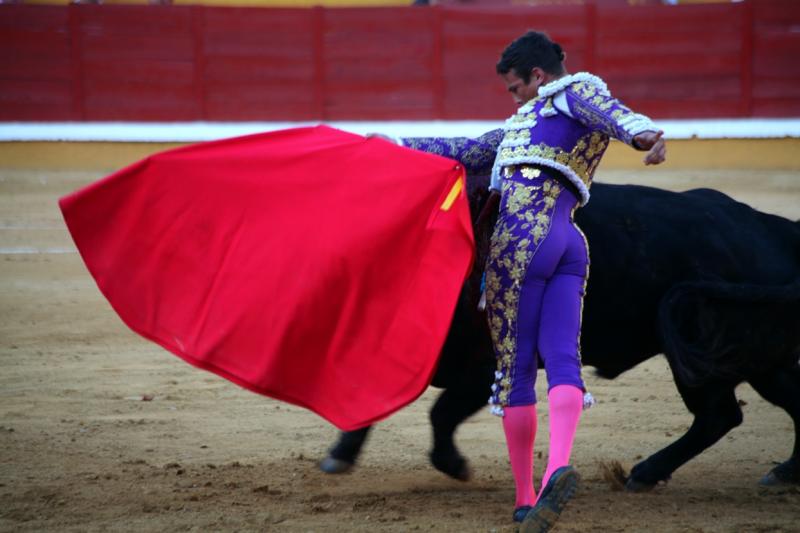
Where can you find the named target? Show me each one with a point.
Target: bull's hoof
(330, 465)
(784, 475)
(771, 480)
(638, 486)
(452, 464)
(644, 478)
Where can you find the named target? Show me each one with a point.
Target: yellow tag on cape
(458, 186)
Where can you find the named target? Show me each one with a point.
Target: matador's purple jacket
(566, 127)
(538, 262)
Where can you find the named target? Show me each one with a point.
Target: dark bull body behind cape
(706, 280)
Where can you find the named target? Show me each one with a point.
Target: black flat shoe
(559, 490)
(521, 512)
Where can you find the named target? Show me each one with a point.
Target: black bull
(708, 281)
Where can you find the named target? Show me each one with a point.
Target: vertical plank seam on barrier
(75, 32)
(199, 70)
(437, 64)
(318, 49)
(746, 67)
(590, 54)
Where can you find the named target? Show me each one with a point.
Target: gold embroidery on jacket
(518, 135)
(477, 155)
(530, 172)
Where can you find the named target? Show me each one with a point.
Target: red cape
(310, 265)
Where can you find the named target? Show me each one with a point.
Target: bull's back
(644, 240)
(702, 234)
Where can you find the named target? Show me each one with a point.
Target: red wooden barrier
(257, 63)
(776, 58)
(674, 62)
(37, 78)
(137, 64)
(89, 62)
(379, 63)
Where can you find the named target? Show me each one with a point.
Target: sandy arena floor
(101, 430)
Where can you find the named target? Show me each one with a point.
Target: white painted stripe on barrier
(749, 128)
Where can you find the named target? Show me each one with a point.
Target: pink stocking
(519, 424)
(566, 403)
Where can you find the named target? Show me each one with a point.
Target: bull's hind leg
(454, 405)
(716, 412)
(343, 455)
(783, 389)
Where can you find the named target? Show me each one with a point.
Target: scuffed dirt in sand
(102, 430)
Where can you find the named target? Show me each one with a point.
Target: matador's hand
(392, 140)
(652, 141)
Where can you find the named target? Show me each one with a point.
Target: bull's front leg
(716, 412)
(343, 455)
(457, 403)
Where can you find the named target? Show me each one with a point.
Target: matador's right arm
(477, 155)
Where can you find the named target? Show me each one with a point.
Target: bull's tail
(729, 331)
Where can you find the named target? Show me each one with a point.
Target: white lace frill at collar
(556, 86)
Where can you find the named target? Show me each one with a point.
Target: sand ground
(101, 430)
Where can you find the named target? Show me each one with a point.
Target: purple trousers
(535, 282)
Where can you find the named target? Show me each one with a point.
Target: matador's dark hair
(534, 49)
